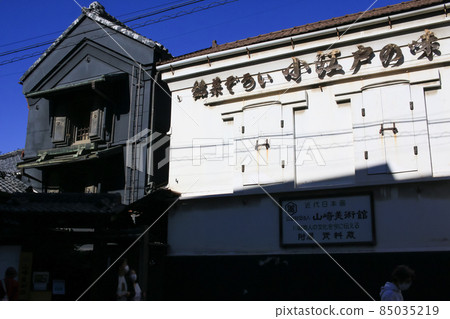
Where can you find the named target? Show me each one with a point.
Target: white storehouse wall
(315, 134)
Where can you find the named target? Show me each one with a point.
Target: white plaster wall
(410, 215)
(204, 148)
(437, 101)
(205, 134)
(324, 149)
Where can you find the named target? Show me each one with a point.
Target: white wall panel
(324, 142)
(389, 129)
(438, 115)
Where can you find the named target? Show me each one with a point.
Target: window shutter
(96, 125)
(59, 129)
(258, 147)
(390, 134)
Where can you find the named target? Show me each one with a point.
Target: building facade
(92, 110)
(329, 138)
(96, 126)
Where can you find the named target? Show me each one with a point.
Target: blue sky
(26, 22)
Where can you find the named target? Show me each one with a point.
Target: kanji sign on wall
(329, 220)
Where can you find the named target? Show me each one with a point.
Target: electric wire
(146, 23)
(122, 15)
(183, 13)
(40, 44)
(184, 4)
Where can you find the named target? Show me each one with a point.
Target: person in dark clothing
(10, 284)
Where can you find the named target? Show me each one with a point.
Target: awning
(61, 210)
(163, 196)
(68, 155)
(64, 88)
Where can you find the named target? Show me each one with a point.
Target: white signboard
(329, 220)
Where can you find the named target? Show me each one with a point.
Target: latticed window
(82, 126)
(82, 134)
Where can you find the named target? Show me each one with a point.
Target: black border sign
(333, 220)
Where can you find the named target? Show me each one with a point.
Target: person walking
(123, 285)
(137, 293)
(401, 280)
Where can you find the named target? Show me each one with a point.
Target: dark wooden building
(92, 114)
(96, 143)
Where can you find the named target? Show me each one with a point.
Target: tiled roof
(316, 26)
(10, 183)
(97, 13)
(8, 161)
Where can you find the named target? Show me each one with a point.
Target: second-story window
(78, 120)
(80, 127)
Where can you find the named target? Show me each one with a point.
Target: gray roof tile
(10, 183)
(8, 161)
